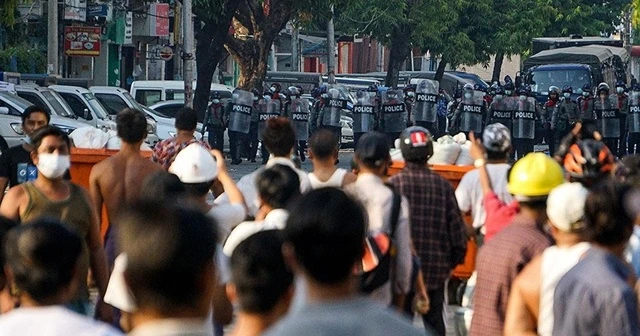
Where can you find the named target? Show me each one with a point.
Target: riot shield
(608, 116)
(267, 109)
(335, 103)
(634, 113)
(524, 119)
(394, 111)
(471, 116)
(426, 105)
(364, 112)
(502, 111)
(240, 115)
(300, 118)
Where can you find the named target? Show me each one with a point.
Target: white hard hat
(194, 164)
(565, 206)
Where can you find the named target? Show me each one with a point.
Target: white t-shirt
(336, 180)
(52, 321)
(227, 216)
(275, 220)
(469, 192)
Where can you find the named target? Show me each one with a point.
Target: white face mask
(215, 101)
(273, 89)
(499, 97)
(324, 95)
(507, 92)
(523, 98)
(255, 98)
(620, 89)
(411, 94)
(567, 95)
(468, 95)
(53, 166)
(586, 94)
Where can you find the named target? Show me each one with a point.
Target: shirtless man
(530, 308)
(115, 182)
(323, 152)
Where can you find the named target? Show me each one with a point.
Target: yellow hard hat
(534, 175)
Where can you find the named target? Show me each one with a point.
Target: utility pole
(52, 37)
(331, 47)
(295, 56)
(187, 52)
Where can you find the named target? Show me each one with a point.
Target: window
(32, 98)
(12, 110)
(168, 111)
(148, 97)
(175, 95)
(113, 103)
(77, 106)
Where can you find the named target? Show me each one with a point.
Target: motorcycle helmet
(554, 90)
(588, 160)
(603, 87)
(416, 144)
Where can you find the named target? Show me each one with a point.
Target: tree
(8, 9)
(212, 23)
(586, 17)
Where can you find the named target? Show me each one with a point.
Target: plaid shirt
(499, 262)
(166, 150)
(437, 229)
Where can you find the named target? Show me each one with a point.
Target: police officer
(566, 114)
(501, 110)
(548, 110)
(443, 102)
(238, 117)
(270, 109)
(215, 123)
(509, 89)
(363, 115)
(623, 106)
(470, 112)
(410, 100)
(633, 121)
(297, 111)
(607, 117)
(330, 112)
(394, 115)
(585, 104)
(425, 109)
(524, 123)
(251, 141)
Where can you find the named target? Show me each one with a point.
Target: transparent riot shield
(524, 119)
(503, 110)
(394, 111)
(426, 105)
(364, 112)
(471, 114)
(267, 109)
(300, 118)
(634, 113)
(608, 116)
(335, 103)
(240, 114)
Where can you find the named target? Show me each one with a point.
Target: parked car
(85, 106)
(11, 109)
(45, 97)
(150, 92)
(164, 113)
(115, 99)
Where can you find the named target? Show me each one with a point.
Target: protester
(279, 138)
(501, 258)
(186, 123)
(496, 140)
(323, 243)
(530, 307)
(596, 296)
(437, 230)
(162, 186)
(588, 161)
(7, 301)
(53, 197)
(15, 163)
(115, 182)
(42, 261)
(379, 201)
(261, 285)
(172, 280)
(323, 152)
(278, 187)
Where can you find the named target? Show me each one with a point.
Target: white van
(85, 106)
(148, 93)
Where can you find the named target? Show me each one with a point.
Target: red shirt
(499, 214)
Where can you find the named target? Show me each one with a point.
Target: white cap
(194, 164)
(565, 206)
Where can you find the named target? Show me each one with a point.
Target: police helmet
(554, 89)
(255, 92)
(620, 83)
(499, 90)
(215, 95)
(468, 87)
(586, 88)
(567, 88)
(508, 86)
(636, 87)
(603, 87)
(416, 144)
(522, 91)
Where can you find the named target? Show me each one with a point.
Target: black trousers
(431, 126)
(433, 320)
(612, 143)
(299, 147)
(523, 147)
(251, 141)
(550, 137)
(235, 144)
(216, 137)
(391, 138)
(622, 149)
(442, 127)
(264, 153)
(633, 147)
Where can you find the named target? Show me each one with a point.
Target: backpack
(378, 260)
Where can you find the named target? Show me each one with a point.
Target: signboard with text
(82, 41)
(158, 19)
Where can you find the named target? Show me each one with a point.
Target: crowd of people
(283, 251)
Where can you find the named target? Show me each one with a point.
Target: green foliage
(28, 59)
(7, 12)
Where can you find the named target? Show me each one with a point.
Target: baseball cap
(496, 138)
(373, 149)
(194, 164)
(565, 206)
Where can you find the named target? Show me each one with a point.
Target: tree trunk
(252, 58)
(497, 67)
(399, 50)
(207, 59)
(440, 70)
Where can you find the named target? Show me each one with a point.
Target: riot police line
(534, 126)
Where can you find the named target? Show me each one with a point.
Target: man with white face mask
(51, 196)
(15, 163)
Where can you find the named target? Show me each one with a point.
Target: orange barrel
(82, 160)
